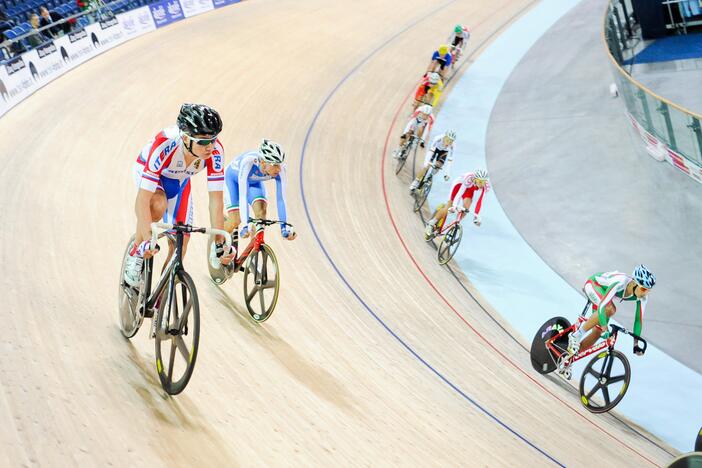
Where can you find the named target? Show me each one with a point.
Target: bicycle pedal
(173, 332)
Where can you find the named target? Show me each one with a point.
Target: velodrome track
(375, 355)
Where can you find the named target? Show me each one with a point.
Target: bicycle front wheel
(449, 244)
(401, 159)
(128, 300)
(422, 193)
(261, 283)
(177, 333)
(607, 375)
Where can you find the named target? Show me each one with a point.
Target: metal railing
(664, 125)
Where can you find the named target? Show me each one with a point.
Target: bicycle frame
(174, 265)
(254, 246)
(445, 228)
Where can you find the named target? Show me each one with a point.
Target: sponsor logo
(109, 23)
(46, 49)
(77, 36)
(197, 164)
(180, 164)
(128, 24)
(33, 71)
(14, 65)
(217, 162)
(95, 40)
(159, 13)
(557, 327)
(174, 9)
(187, 4)
(64, 54)
(144, 18)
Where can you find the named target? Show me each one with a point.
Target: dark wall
(651, 15)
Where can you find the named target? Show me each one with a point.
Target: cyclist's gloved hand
(288, 232)
(421, 143)
(244, 233)
(476, 220)
(638, 350)
(143, 248)
(447, 177)
(605, 335)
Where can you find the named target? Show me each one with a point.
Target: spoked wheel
(261, 283)
(401, 159)
(605, 381)
(449, 244)
(128, 301)
(421, 194)
(543, 359)
(177, 334)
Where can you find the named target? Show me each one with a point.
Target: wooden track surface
(323, 381)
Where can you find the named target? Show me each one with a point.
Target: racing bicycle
(421, 193)
(606, 377)
(173, 306)
(451, 235)
(405, 150)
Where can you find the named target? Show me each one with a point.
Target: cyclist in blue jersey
(243, 181)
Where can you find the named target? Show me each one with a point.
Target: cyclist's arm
(427, 128)
(458, 199)
(449, 161)
(244, 171)
(609, 294)
(638, 315)
(280, 183)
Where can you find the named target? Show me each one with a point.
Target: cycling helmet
(643, 277)
(199, 119)
(480, 174)
(443, 49)
(271, 152)
(451, 135)
(433, 78)
(458, 29)
(425, 109)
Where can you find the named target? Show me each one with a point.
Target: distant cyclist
(244, 179)
(440, 61)
(162, 174)
(601, 290)
(420, 124)
(429, 90)
(462, 194)
(440, 151)
(458, 40)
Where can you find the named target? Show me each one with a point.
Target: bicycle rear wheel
(422, 193)
(128, 300)
(543, 359)
(612, 378)
(261, 283)
(177, 333)
(449, 244)
(401, 158)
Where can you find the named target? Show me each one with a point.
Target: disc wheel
(422, 193)
(177, 334)
(128, 298)
(543, 359)
(605, 381)
(449, 244)
(261, 283)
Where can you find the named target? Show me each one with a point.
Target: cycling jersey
(464, 187)
(244, 181)
(161, 166)
(425, 87)
(445, 61)
(438, 151)
(459, 40)
(602, 288)
(421, 128)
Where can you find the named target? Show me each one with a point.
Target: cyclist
(458, 40)
(429, 90)
(440, 60)
(462, 192)
(601, 289)
(440, 151)
(162, 173)
(244, 182)
(420, 124)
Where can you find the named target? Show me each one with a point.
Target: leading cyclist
(162, 173)
(601, 289)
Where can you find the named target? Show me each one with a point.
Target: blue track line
(343, 278)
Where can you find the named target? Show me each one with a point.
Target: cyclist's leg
(180, 211)
(257, 200)
(158, 203)
(593, 324)
(231, 201)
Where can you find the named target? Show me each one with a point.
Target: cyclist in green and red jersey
(601, 289)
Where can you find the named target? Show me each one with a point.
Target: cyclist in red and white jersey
(462, 194)
(420, 124)
(162, 174)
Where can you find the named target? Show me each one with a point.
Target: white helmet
(425, 109)
(434, 77)
(480, 174)
(271, 152)
(450, 134)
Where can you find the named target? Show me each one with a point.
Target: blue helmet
(643, 277)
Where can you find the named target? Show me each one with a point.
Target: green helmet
(458, 29)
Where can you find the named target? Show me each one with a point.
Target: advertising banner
(195, 7)
(166, 12)
(223, 3)
(45, 63)
(136, 22)
(106, 34)
(15, 81)
(76, 47)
